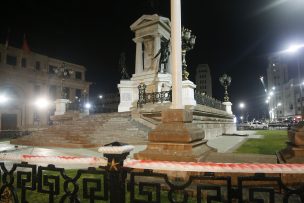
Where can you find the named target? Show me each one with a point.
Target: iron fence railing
(12, 134)
(118, 183)
(153, 97)
(75, 106)
(163, 96)
(204, 99)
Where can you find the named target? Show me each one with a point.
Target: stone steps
(89, 131)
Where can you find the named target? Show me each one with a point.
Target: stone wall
(213, 121)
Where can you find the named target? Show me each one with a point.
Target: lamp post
(225, 81)
(242, 106)
(42, 104)
(63, 73)
(188, 41)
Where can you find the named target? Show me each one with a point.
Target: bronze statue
(123, 67)
(164, 53)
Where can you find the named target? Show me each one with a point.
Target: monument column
(176, 138)
(176, 55)
(138, 57)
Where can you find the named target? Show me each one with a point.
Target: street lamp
(188, 42)
(242, 106)
(225, 81)
(87, 105)
(63, 73)
(4, 99)
(42, 103)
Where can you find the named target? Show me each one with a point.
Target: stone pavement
(224, 145)
(228, 143)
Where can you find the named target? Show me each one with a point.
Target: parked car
(244, 125)
(258, 125)
(282, 124)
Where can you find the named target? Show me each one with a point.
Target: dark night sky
(233, 37)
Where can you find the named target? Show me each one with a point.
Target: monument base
(291, 154)
(61, 106)
(228, 105)
(294, 152)
(176, 139)
(127, 91)
(188, 93)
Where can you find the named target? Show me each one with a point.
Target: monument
(152, 63)
(63, 73)
(176, 138)
(150, 32)
(123, 67)
(294, 151)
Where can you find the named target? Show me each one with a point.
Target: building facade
(26, 76)
(283, 93)
(203, 79)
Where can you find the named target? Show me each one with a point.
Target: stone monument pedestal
(127, 91)
(228, 105)
(176, 139)
(188, 92)
(294, 152)
(61, 106)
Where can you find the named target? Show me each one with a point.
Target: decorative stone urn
(294, 152)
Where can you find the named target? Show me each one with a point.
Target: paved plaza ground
(225, 145)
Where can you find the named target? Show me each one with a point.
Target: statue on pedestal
(123, 67)
(164, 53)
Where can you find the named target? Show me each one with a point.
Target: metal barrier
(153, 97)
(204, 99)
(12, 134)
(119, 180)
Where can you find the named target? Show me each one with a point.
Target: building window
(11, 60)
(290, 106)
(78, 75)
(52, 69)
(37, 65)
(23, 62)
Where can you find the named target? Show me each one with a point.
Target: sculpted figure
(164, 53)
